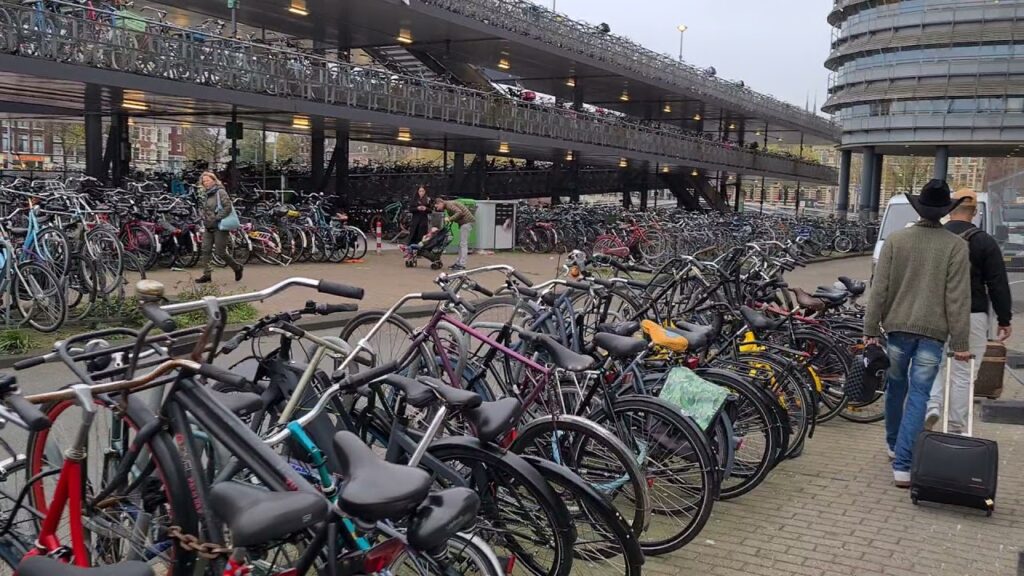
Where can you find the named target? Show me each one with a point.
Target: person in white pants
(990, 287)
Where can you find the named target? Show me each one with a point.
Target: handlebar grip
(372, 374)
(528, 292)
(438, 296)
(585, 286)
(636, 284)
(522, 278)
(339, 289)
(33, 417)
(222, 375)
(232, 344)
(603, 283)
(616, 264)
(155, 314)
(325, 309)
(641, 268)
(30, 362)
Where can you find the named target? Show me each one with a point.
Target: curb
(311, 325)
(848, 255)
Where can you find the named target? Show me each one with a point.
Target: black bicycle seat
(44, 566)
(374, 489)
(620, 346)
(418, 395)
(560, 355)
(619, 328)
(453, 397)
(697, 339)
(257, 516)
(238, 403)
(492, 419)
(758, 322)
(442, 514)
(856, 287)
(831, 296)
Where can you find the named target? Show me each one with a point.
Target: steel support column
(458, 172)
(736, 200)
(876, 185)
(341, 152)
(93, 132)
(941, 162)
(644, 185)
(316, 152)
(843, 198)
(867, 177)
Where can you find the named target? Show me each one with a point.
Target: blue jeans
(913, 363)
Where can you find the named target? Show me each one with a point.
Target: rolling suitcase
(955, 469)
(989, 383)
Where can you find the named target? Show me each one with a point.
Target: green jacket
(458, 213)
(212, 216)
(922, 285)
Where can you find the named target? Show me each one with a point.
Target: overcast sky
(775, 46)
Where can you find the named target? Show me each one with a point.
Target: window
(22, 142)
(37, 144)
(58, 150)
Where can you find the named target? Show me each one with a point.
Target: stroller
(431, 249)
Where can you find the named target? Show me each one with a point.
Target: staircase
(400, 60)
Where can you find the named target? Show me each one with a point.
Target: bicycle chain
(205, 550)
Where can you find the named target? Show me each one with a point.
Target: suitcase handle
(970, 396)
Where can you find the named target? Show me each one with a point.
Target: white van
(899, 214)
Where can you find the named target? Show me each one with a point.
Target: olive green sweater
(922, 285)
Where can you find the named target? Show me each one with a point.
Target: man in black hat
(921, 297)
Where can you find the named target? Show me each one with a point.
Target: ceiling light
(779, 138)
(758, 132)
(404, 36)
(300, 122)
(698, 117)
(732, 126)
(568, 156)
(298, 7)
(503, 64)
(134, 105)
(667, 109)
(694, 173)
(664, 169)
(571, 82)
(624, 96)
(404, 135)
(623, 162)
(503, 147)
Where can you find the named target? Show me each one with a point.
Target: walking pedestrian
(460, 215)
(990, 286)
(419, 208)
(920, 296)
(216, 207)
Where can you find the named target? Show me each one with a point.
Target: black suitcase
(954, 469)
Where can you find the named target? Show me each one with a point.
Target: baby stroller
(431, 249)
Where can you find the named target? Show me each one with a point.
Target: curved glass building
(942, 77)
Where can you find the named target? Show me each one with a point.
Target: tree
(205, 144)
(290, 147)
(72, 137)
(908, 173)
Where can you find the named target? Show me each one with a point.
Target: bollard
(380, 235)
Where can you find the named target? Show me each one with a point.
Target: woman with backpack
(216, 208)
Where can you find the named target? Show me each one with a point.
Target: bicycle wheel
(463, 554)
(81, 289)
(13, 484)
(788, 392)
(143, 244)
(52, 247)
(653, 246)
(677, 465)
(842, 244)
(604, 544)
(596, 455)
(390, 343)
(358, 242)
(520, 516)
(829, 366)
(103, 247)
(39, 296)
(132, 525)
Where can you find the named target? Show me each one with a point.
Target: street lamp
(682, 32)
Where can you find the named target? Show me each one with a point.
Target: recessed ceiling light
(503, 148)
(698, 117)
(298, 7)
(404, 36)
(300, 122)
(623, 162)
(504, 64)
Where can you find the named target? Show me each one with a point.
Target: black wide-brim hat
(935, 200)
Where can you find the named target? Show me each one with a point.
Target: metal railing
(539, 23)
(164, 51)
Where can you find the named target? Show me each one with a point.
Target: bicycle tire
(476, 557)
(169, 480)
(36, 284)
(588, 506)
(622, 482)
(490, 471)
(53, 246)
(422, 362)
(104, 248)
(677, 437)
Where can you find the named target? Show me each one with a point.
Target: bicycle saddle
(493, 419)
(664, 338)
(238, 403)
(442, 514)
(698, 336)
(620, 346)
(560, 355)
(374, 489)
(758, 322)
(856, 287)
(418, 395)
(257, 516)
(620, 328)
(44, 566)
(805, 300)
(831, 296)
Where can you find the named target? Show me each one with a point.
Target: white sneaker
(931, 419)
(889, 452)
(901, 479)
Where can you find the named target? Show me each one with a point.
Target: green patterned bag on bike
(695, 396)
